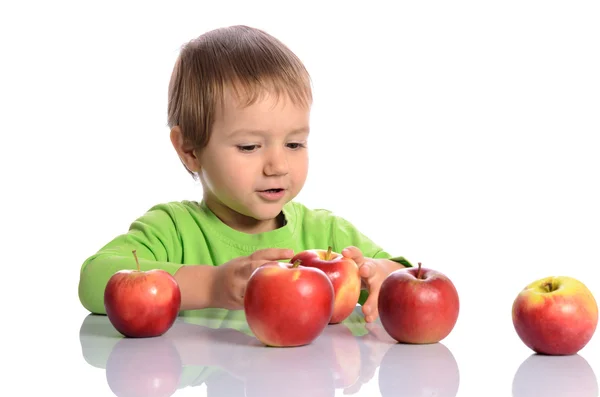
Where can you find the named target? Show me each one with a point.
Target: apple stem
(296, 263)
(419, 271)
(136, 260)
(328, 255)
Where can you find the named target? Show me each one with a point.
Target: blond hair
(246, 59)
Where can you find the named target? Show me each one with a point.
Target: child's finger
(367, 270)
(272, 254)
(260, 257)
(370, 307)
(353, 253)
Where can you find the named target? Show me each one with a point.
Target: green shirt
(173, 234)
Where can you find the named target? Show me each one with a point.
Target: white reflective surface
(207, 357)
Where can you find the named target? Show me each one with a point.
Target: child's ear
(187, 154)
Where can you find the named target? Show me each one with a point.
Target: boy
(239, 106)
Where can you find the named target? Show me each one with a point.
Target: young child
(239, 106)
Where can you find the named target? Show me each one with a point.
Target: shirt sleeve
(156, 241)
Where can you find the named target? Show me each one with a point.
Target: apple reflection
(220, 352)
(301, 371)
(541, 375)
(373, 343)
(143, 367)
(226, 358)
(419, 370)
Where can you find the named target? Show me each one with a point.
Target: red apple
(555, 315)
(344, 276)
(288, 305)
(418, 305)
(142, 303)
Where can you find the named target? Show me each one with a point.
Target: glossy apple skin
(418, 310)
(556, 322)
(288, 306)
(344, 276)
(142, 304)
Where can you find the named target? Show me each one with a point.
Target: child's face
(256, 160)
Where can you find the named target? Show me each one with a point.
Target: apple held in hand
(555, 315)
(418, 305)
(288, 305)
(142, 303)
(344, 276)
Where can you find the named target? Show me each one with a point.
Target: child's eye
(247, 148)
(296, 145)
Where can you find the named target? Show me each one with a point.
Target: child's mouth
(272, 190)
(272, 194)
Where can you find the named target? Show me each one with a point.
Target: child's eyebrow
(297, 131)
(244, 131)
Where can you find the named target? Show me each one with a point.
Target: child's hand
(229, 284)
(372, 272)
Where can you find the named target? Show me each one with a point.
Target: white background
(462, 134)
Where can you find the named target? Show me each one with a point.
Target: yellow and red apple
(344, 276)
(555, 315)
(418, 305)
(288, 304)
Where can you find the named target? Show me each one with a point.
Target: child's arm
(223, 286)
(158, 244)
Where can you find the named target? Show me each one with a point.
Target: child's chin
(267, 214)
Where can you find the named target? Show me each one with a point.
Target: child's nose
(276, 164)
